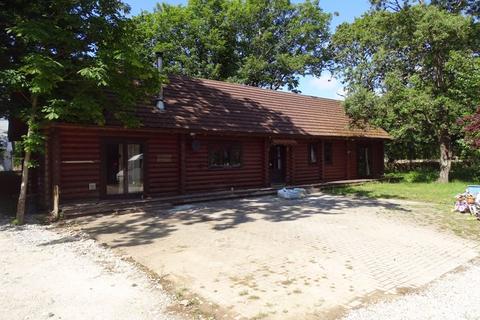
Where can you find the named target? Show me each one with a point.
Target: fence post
(56, 200)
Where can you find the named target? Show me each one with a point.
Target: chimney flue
(159, 101)
(159, 56)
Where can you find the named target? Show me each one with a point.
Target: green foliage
(60, 59)
(455, 6)
(260, 43)
(425, 175)
(413, 72)
(463, 172)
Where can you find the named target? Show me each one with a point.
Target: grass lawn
(440, 196)
(438, 193)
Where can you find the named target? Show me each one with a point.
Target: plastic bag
(295, 193)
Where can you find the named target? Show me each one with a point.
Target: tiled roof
(207, 105)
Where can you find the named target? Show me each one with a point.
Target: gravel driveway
(45, 274)
(454, 297)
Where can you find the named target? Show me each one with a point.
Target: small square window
(312, 153)
(327, 153)
(225, 155)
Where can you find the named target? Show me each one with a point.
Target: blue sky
(325, 86)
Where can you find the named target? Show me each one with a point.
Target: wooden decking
(120, 206)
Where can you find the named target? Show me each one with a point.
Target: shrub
(412, 176)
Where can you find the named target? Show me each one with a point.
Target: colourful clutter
(469, 201)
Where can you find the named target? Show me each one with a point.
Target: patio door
(364, 162)
(123, 169)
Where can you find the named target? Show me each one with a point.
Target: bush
(460, 172)
(419, 175)
(465, 173)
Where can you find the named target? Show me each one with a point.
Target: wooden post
(55, 139)
(56, 201)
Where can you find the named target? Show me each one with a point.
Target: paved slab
(280, 259)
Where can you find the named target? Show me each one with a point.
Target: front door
(123, 169)
(277, 164)
(364, 161)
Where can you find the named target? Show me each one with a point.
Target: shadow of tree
(368, 194)
(138, 229)
(145, 227)
(62, 240)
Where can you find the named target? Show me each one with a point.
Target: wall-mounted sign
(166, 157)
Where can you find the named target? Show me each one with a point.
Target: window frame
(328, 161)
(224, 146)
(314, 146)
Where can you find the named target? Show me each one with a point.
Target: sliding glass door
(123, 168)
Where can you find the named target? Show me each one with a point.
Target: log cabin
(205, 136)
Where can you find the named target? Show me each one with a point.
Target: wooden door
(277, 164)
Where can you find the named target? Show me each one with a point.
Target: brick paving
(282, 259)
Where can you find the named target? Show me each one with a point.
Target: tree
(259, 43)
(59, 58)
(472, 127)
(413, 71)
(471, 7)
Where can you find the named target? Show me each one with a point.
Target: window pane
(135, 168)
(215, 157)
(235, 155)
(225, 155)
(115, 169)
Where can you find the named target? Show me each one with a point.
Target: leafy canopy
(260, 43)
(66, 54)
(414, 71)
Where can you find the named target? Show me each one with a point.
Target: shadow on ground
(144, 227)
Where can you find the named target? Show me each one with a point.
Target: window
(225, 155)
(312, 153)
(328, 157)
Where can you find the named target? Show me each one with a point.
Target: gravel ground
(454, 297)
(51, 274)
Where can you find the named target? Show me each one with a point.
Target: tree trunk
(22, 197)
(445, 158)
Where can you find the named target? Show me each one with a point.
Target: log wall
(178, 163)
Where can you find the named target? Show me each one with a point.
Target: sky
(324, 86)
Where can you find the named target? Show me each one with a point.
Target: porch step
(153, 204)
(122, 206)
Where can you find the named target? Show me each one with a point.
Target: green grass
(418, 185)
(432, 192)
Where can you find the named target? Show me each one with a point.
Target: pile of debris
(292, 193)
(469, 201)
